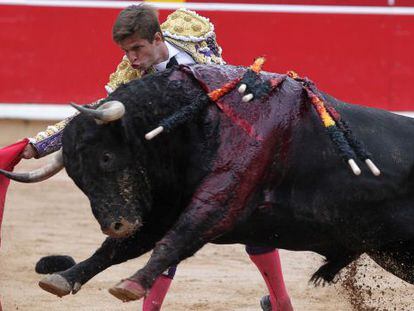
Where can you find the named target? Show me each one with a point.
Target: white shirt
(182, 57)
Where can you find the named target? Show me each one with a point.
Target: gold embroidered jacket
(184, 29)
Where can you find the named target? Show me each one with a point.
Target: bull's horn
(108, 112)
(39, 174)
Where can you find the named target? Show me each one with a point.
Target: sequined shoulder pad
(194, 34)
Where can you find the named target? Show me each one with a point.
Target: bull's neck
(178, 159)
(174, 159)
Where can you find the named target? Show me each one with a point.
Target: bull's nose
(121, 228)
(117, 226)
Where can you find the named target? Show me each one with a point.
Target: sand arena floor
(53, 217)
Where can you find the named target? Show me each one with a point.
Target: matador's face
(141, 53)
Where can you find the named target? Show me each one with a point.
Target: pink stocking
(269, 266)
(159, 289)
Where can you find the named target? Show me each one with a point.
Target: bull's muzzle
(121, 228)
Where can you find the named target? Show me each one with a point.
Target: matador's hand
(29, 152)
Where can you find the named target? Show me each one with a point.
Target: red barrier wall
(318, 2)
(62, 54)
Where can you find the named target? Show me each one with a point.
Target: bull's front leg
(223, 199)
(196, 228)
(113, 251)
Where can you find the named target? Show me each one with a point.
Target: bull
(260, 173)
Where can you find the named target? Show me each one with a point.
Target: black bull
(274, 180)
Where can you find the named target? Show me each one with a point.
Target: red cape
(9, 157)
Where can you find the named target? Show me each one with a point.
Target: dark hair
(139, 19)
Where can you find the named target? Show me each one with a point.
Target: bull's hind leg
(113, 251)
(398, 261)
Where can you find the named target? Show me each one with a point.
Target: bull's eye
(106, 157)
(106, 160)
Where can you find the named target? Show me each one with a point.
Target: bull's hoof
(56, 284)
(127, 290)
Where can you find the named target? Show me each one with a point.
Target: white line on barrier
(60, 111)
(234, 7)
(35, 111)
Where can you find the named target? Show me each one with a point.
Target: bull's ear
(108, 112)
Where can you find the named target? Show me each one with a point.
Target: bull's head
(105, 166)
